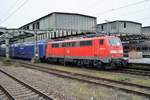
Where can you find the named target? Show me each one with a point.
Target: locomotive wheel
(98, 64)
(79, 63)
(124, 64)
(113, 65)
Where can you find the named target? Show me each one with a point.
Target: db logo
(68, 51)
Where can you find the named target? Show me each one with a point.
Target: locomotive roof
(80, 39)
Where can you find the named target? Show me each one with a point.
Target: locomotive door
(96, 48)
(102, 48)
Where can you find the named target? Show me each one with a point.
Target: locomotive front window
(114, 41)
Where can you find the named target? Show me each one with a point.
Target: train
(88, 51)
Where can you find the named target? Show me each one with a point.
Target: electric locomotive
(95, 51)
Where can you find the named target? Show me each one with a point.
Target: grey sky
(102, 9)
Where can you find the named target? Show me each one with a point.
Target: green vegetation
(7, 62)
(124, 78)
(103, 74)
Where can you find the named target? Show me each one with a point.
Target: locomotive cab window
(114, 41)
(55, 45)
(101, 41)
(86, 43)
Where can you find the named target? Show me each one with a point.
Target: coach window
(101, 41)
(86, 43)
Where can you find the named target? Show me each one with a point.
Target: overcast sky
(132, 10)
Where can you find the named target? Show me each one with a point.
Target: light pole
(107, 22)
(36, 51)
(7, 44)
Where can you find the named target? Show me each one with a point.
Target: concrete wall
(75, 22)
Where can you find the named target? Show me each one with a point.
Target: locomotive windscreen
(114, 41)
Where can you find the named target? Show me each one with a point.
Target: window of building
(101, 41)
(37, 25)
(33, 26)
(113, 26)
(27, 27)
(125, 25)
(102, 27)
(49, 35)
(86, 43)
(54, 35)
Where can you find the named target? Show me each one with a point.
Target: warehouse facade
(120, 27)
(63, 24)
(146, 30)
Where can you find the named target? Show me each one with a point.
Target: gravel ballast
(68, 89)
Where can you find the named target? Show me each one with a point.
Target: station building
(120, 27)
(146, 31)
(63, 24)
(128, 31)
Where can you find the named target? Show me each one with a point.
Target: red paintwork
(96, 50)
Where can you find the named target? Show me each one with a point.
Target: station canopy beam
(16, 34)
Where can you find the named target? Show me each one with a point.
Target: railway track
(14, 89)
(134, 72)
(4, 94)
(118, 85)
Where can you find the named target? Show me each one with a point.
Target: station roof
(120, 21)
(57, 13)
(15, 34)
(2, 30)
(146, 27)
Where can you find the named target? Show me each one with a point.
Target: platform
(140, 61)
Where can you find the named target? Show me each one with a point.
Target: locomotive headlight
(113, 51)
(116, 51)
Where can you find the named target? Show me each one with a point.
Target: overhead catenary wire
(13, 5)
(125, 6)
(11, 14)
(122, 7)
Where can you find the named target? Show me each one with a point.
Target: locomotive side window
(55, 45)
(69, 44)
(86, 43)
(101, 41)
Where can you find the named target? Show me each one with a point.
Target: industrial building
(146, 30)
(120, 27)
(63, 24)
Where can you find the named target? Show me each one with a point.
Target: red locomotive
(96, 51)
